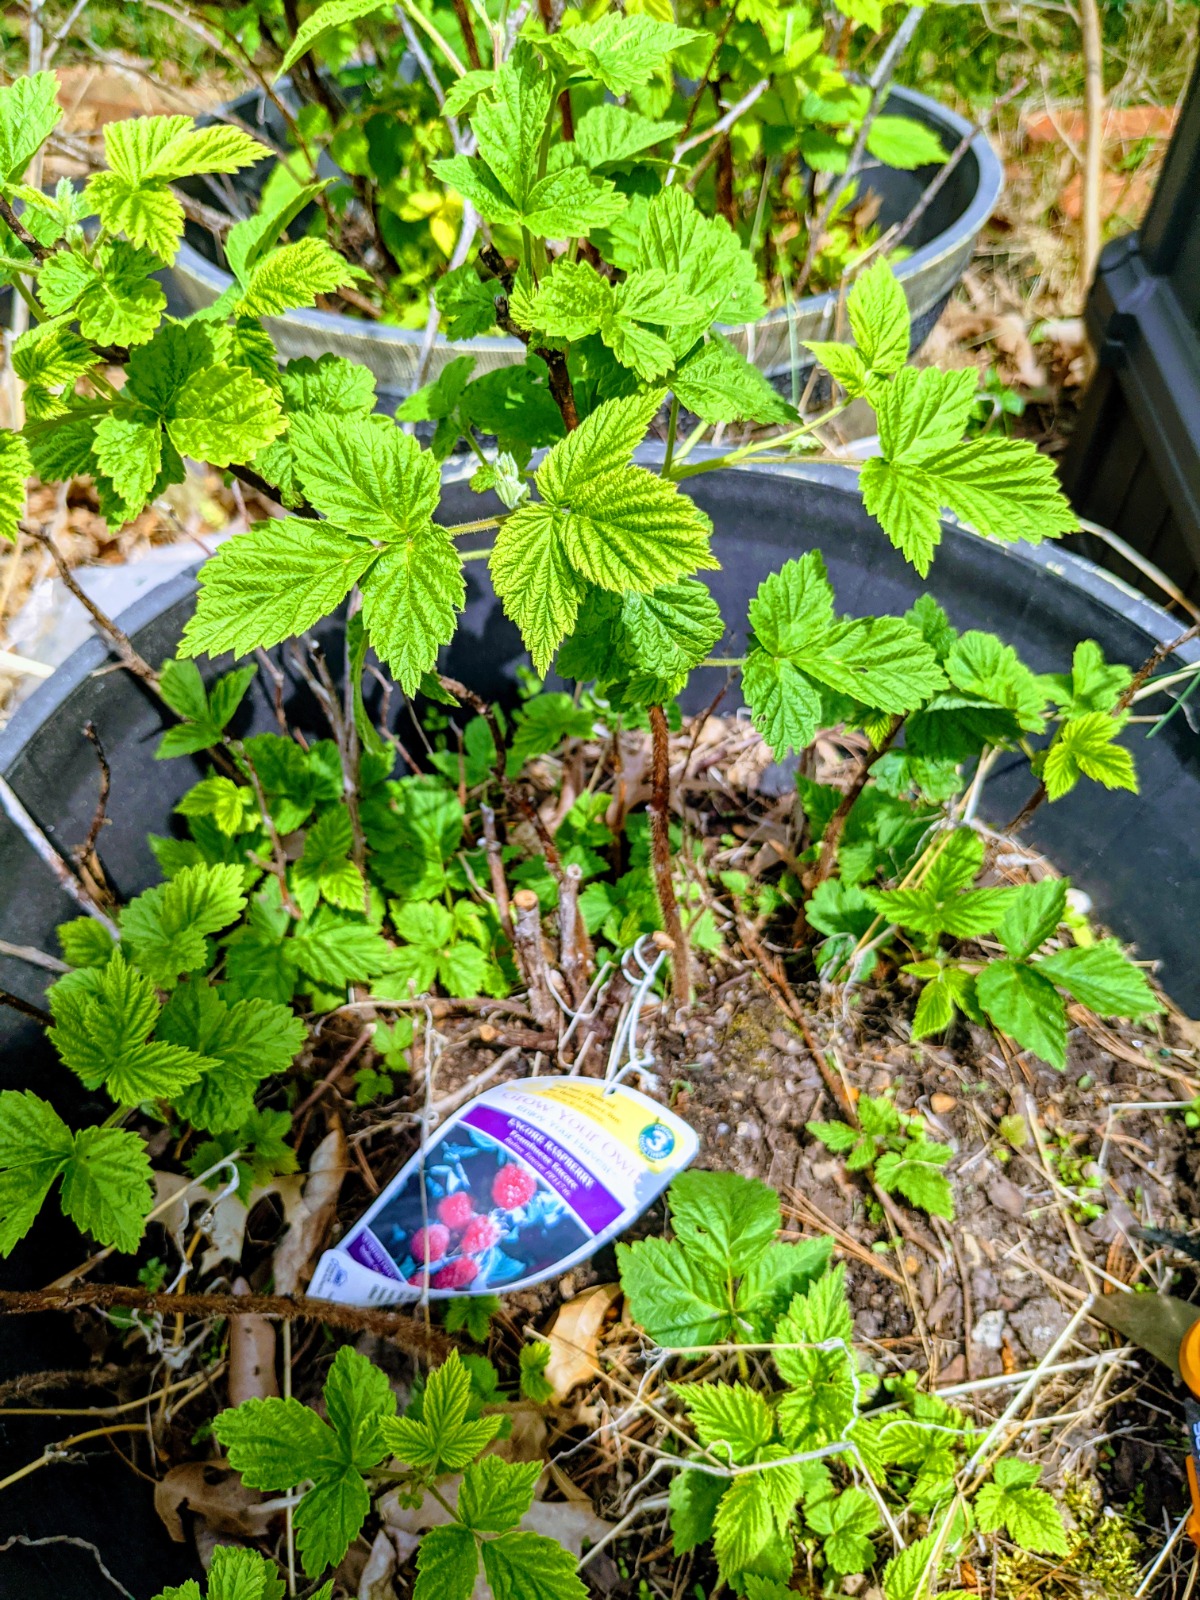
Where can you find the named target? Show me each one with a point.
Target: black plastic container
(1134, 460)
(1137, 856)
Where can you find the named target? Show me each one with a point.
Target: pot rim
(1062, 566)
(989, 183)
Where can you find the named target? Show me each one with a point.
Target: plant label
(522, 1183)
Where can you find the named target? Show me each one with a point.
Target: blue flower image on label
(656, 1141)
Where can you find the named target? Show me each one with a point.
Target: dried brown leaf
(575, 1338)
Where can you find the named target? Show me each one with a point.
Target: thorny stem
(278, 857)
(512, 790)
(837, 822)
(559, 378)
(36, 249)
(119, 639)
(26, 1008)
(68, 881)
(467, 28)
(660, 836)
(86, 858)
(405, 1331)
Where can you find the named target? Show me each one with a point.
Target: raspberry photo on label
(456, 1210)
(483, 1221)
(513, 1187)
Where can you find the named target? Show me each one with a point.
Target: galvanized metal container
(940, 247)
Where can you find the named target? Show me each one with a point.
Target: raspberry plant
(596, 558)
(187, 1006)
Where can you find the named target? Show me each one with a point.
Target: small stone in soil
(940, 1103)
(1038, 1324)
(988, 1331)
(1005, 1196)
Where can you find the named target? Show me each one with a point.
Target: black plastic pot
(1137, 856)
(1133, 463)
(939, 248)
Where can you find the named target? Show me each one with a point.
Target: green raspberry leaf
(609, 136)
(673, 628)
(534, 1360)
(879, 319)
(793, 606)
(29, 114)
(1086, 746)
(1029, 1515)
(1034, 913)
(836, 1136)
(680, 1301)
(276, 1444)
(84, 942)
(623, 52)
(447, 1564)
(335, 949)
(365, 474)
(358, 1397)
(222, 415)
(915, 1171)
(905, 143)
(15, 467)
(411, 600)
(166, 927)
(35, 1146)
(329, 1518)
(292, 276)
(847, 1522)
(496, 1494)
(467, 303)
(332, 14)
(113, 296)
(1026, 1005)
(271, 583)
(147, 213)
(720, 385)
(528, 1566)
(128, 451)
(732, 1419)
(1101, 977)
(912, 1575)
(705, 257)
(744, 1525)
(532, 575)
(723, 1220)
(106, 1186)
(785, 706)
(694, 1498)
(102, 1019)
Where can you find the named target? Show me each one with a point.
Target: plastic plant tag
(520, 1184)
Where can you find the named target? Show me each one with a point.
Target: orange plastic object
(1193, 1521)
(1189, 1358)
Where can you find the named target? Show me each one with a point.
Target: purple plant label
(522, 1183)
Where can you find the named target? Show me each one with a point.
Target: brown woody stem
(36, 249)
(119, 639)
(837, 822)
(402, 1329)
(660, 839)
(531, 958)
